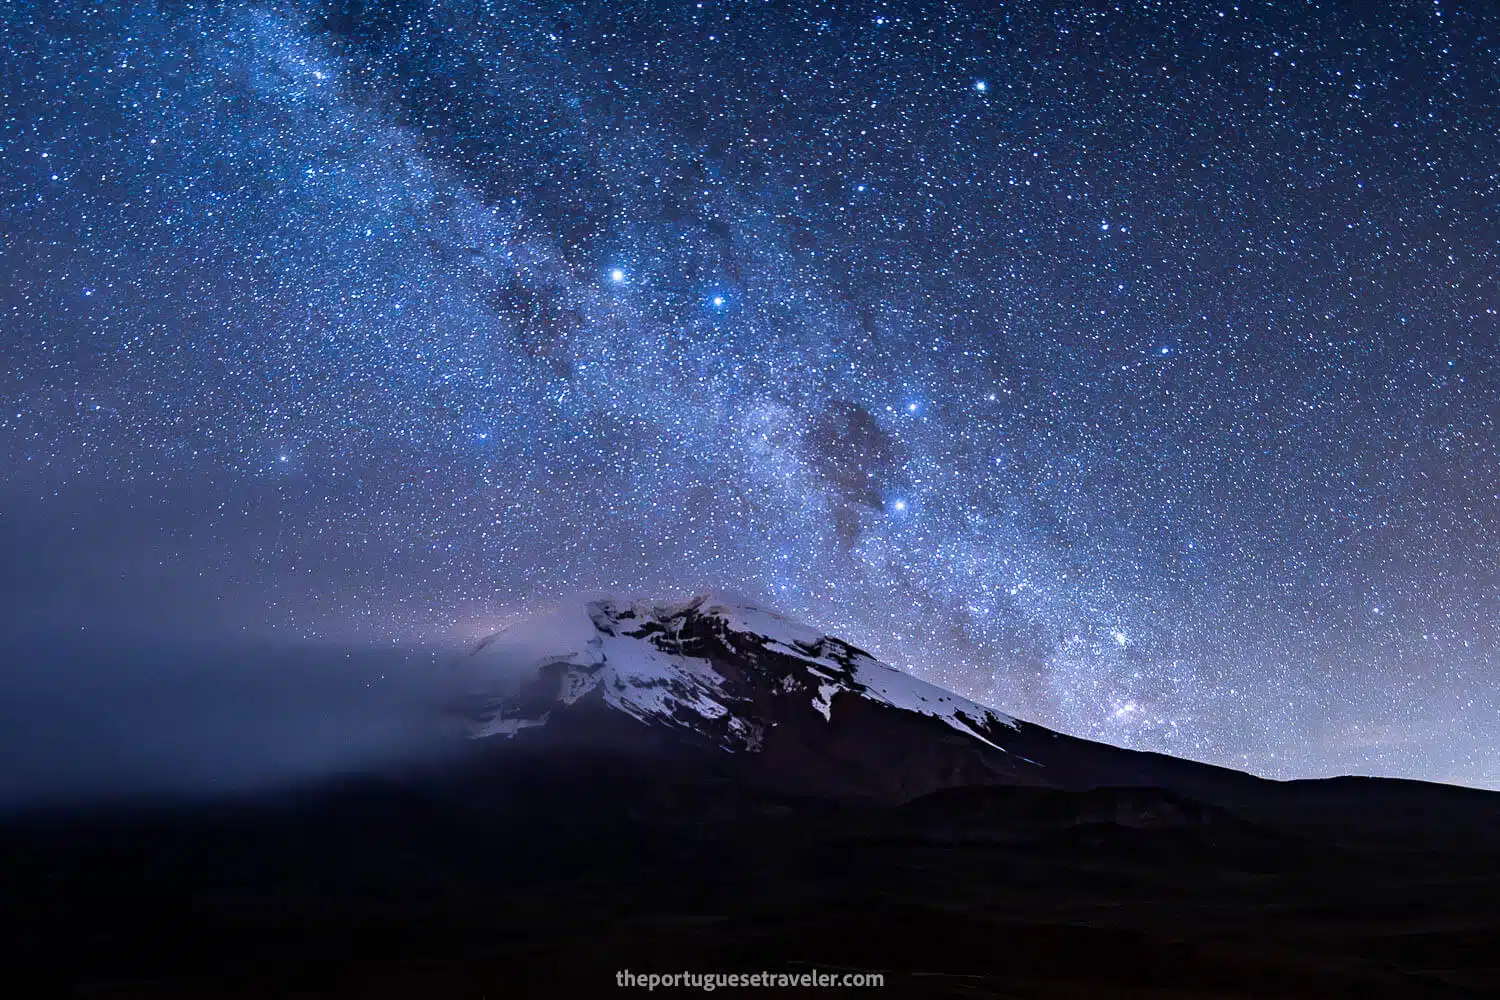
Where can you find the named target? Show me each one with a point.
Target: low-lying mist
(89, 720)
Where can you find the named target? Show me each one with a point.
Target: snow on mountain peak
(718, 666)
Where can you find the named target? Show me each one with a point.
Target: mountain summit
(728, 671)
(796, 709)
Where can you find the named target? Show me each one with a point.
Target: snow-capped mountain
(781, 703)
(666, 664)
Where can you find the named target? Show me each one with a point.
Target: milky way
(1134, 370)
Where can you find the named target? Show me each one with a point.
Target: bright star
(981, 86)
(899, 505)
(617, 275)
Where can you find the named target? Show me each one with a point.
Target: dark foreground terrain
(505, 878)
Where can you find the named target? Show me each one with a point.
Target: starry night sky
(1131, 368)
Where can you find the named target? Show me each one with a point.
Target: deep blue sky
(1133, 369)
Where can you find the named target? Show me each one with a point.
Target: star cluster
(1133, 368)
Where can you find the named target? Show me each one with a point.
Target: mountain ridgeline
(707, 785)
